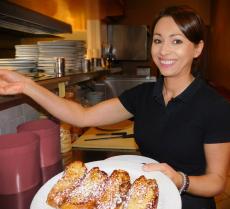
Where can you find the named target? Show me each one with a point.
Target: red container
(50, 149)
(20, 173)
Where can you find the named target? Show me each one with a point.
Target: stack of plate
(22, 65)
(73, 51)
(80, 52)
(29, 52)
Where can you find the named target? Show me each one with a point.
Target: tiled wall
(10, 118)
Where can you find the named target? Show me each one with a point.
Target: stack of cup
(59, 66)
(86, 66)
(20, 173)
(50, 150)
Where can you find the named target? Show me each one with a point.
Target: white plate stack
(80, 54)
(71, 50)
(29, 51)
(22, 65)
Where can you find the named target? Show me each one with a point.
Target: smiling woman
(187, 31)
(182, 116)
(173, 53)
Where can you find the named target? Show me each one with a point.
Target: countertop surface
(117, 143)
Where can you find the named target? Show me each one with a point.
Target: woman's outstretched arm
(106, 112)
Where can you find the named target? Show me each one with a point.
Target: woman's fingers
(156, 167)
(162, 167)
(8, 89)
(166, 169)
(150, 166)
(11, 82)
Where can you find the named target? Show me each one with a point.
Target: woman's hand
(11, 82)
(167, 170)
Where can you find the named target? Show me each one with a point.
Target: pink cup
(50, 149)
(19, 162)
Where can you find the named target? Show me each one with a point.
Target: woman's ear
(198, 49)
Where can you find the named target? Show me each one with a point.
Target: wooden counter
(110, 144)
(88, 151)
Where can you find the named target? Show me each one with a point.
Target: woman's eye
(177, 41)
(156, 41)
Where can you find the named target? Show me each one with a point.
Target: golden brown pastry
(143, 194)
(88, 191)
(73, 175)
(86, 205)
(115, 190)
(94, 189)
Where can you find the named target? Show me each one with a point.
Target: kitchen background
(90, 19)
(134, 12)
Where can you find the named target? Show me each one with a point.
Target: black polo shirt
(176, 133)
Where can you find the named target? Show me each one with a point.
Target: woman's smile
(166, 63)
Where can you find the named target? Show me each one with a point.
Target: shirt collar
(157, 92)
(187, 94)
(184, 96)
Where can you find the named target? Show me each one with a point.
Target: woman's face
(171, 51)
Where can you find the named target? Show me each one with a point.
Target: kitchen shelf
(51, 83)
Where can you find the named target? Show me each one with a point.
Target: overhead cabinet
(18, 18)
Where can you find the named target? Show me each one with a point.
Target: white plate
(169, 197)
(132, 158)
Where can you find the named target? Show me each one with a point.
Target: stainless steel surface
(128, 42)
(117, 84)
(18, 18)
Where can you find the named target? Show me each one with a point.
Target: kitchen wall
(70, 11)
(219, 71)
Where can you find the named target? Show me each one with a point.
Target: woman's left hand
(167, 170)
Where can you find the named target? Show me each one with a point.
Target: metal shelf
(50, 83)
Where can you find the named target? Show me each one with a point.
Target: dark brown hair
(190, 23)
